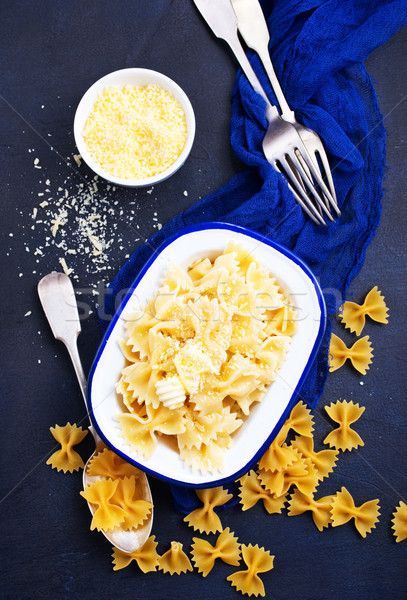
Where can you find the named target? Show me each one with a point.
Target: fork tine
(310, 185)
(325, 163)
(299, 192)
(315, 173)
(308, 172)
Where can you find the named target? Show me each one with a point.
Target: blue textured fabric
(317, 48)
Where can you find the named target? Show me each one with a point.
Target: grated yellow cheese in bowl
(135, 132)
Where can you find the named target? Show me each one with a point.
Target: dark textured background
(51, 52)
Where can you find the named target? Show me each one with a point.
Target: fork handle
(286, 111)
(253, 29)
(237, 49)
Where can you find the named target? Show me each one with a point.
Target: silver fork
(282, 144)
(253, 29)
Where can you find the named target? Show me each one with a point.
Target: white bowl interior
(137, 77)
(265, 415)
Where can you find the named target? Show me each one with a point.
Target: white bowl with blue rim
(266, 417)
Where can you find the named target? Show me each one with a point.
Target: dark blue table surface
(51, 52)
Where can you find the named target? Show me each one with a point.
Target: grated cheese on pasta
(135, 132)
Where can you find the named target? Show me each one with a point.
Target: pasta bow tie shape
(360, 354)
(146, 557)
(374, 306)
(343, 510)
(300, 420)
(108, 464)
(175, 560)
(258, 560)
(227, 548)
(321, 509)
(324, 461)
(252, 491)
(107, 514)
(400, 522)
(205, 519)
(137, 511)
(343, 437)
(67, 459)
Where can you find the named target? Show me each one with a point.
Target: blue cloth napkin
(317, 47)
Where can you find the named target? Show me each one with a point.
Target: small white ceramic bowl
(267, 416)
(138, 77)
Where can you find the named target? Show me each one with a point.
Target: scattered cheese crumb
(27, 314)
(77, 158)
(185, 193)
(64, 266)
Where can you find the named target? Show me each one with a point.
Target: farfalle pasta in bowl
(206, 354)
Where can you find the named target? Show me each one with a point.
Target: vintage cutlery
(59, 303)
(253, 29)
(282, 144)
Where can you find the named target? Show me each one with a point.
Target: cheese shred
(135, 132)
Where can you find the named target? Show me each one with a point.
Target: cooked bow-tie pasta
(201, 353)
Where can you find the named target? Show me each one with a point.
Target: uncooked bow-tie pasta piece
(324, 460)
(400, 522)
(175, 560)
(353, 315)
(205, 519)
(205, 349)
(360, 354)
(146, 557)
(107, 514)
(343, 510)
(227, 548)
(136, 510)
(258, 560)
(252, 491)
(278, 456)
(301, 420)
(67, 459)
(108, 464)
(343, 437)
(321, 509)
(302, 474)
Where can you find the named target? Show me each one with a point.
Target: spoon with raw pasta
(59, 303)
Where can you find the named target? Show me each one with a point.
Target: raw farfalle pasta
(400, 522)
(227, 548)
(252, 491)
(360, 354)
(205, 519)
(320, 509)
(108, 464)
(353, 315)
(66, 459)
(137, 511)
(258, 560)
(343, 437)
(201, 353)
(324, 461)
(343, 510)
(107, 515)
(300, 420)
(302, 474)
(146, 557)
(278, 456)
(174, 560)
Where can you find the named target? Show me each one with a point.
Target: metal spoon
(59, 303)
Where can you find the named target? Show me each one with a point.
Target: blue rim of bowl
(321, 302)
